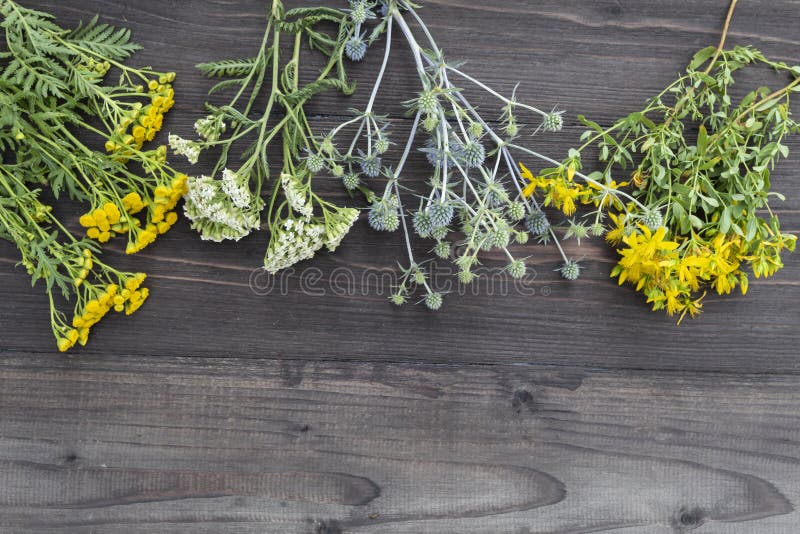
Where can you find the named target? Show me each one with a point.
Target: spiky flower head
(475, 129)
(516, 211)
(433, 154)
(430, 122)
(350, 181)
(473, 154)
(381, 144)
(536, 222)
(433, 300)
(442, 249)
(422, 223)
(337, 170)
(360, 11)
(382, 9)
(553, 122)
(465, 276)
(516, 269)
(456, 150)
(570, 270)
(428, 103)
(597, 229)
(371, 165)
(653, 219)
(383, 215)
(398, 298)
(521, 237)
(326, 146)
(355, 48)
(512, 129)
(439, 233)
(577, 231)
(315, 162)
(440, 213)
(498, 238)
(496, 195)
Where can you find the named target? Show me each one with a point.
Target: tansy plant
(473, 200)
(56, 104)
(697, 163)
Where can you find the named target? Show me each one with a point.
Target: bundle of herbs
(68, 131)
(697, 164)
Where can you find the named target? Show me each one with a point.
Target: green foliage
(233, 197)
(699, 162)
(230, 68)
(55, 107)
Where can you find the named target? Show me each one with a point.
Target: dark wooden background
(217, 410)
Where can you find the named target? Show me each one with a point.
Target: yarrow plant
(227, 204)
(698, 213)
(56, 102)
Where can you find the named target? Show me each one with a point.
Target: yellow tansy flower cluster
(143, 122)
(161, 214)
(109, 220)
(133, 203)
(127, 296)
(105, 222)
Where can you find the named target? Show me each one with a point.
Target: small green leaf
(702, 139)
(725, 221)
(702, 56)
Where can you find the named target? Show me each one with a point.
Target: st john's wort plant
(697, 163)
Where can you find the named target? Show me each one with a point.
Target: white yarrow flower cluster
(294, 241)
(209, 128)
(214, 215)
(236, 189)
(340, 227)
(296, 196)
(184, 147)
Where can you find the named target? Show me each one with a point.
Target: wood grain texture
(561, 407)
(217, 445)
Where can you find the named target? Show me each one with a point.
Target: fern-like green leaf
(103, 39)
(224, 84)
(229, 68)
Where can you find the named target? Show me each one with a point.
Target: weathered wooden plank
(224, 445)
